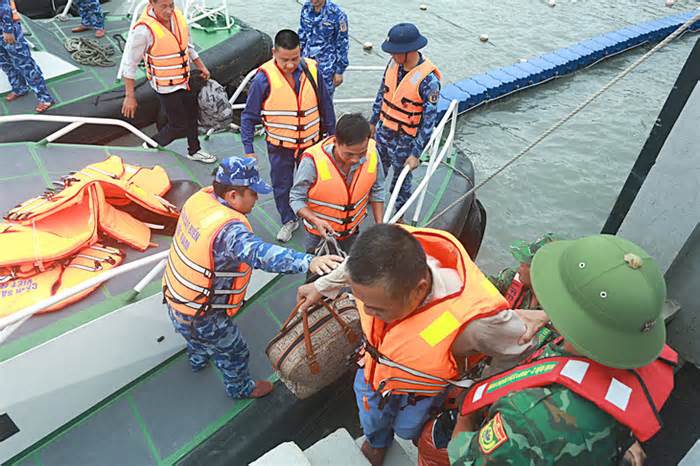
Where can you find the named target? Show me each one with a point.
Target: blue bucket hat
(404, 38)
(241, 171)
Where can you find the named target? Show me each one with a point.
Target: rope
(573, 113)
(89, 52)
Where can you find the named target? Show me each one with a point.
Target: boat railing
(12, 322)
(437, 149)
(75, 122)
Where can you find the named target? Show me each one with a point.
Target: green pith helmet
(524, 251)
(604, 294)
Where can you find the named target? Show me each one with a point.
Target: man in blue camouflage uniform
(396, 148)
(215, 334)
(91, 17)
(323, 31)
(17, 62)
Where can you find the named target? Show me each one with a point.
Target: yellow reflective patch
(440, 329)
(324, 172)
(158, 29)
(372, 161)
(492, 435)
(490, 288)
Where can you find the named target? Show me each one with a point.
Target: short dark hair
(351, 129)
(220, 189)
(388, 255)
(287, 39)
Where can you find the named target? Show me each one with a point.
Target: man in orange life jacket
(585, 397)
(294, 106)
(211, 259)
(336, 182)
(405, 109)
(161, 38)
(425, 306)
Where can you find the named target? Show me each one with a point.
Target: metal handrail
(434, 161)
(66, 9)
(75, 122)
(29, 311)
(365, 68)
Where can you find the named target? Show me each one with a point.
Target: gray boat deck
(160, 417)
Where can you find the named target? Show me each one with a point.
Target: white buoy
(670, 3)
(523, 60)
(367, 46)
(423, 6)
(484, 38)
(552, 3)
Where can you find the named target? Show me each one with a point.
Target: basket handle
(291, 316)
(310, 354)
(349, 332)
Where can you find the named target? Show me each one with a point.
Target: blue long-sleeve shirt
(429, 91)
(236, 244)
(260, 90)
(8, 24)
(324, 37)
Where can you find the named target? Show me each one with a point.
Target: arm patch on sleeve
(492, 435)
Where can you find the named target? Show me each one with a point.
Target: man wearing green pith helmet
(595, 390)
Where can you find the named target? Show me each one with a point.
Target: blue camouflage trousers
(327, 76)
(393, 150)
(91, 14)
(216, 335)
(22, 71)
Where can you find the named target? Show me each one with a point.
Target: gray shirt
(305, 177)
(140, 39)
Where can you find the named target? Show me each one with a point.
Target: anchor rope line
(568, 117)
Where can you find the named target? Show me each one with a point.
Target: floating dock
(500, 82)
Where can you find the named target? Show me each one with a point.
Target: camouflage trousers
(394, 149)
(327, 76)
(91, 13)
(22, 71)
(217, 336)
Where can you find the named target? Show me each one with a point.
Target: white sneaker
(285, 233)
(201, 156)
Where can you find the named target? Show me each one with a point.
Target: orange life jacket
(330, 198)
(402, 106)
(167, 60)
(188, 281)
(19, 293)
(56, 225)
(633, 397)
(291, 120)
(15, 13)
(414, 356)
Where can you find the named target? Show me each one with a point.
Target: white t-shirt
(140, 39)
